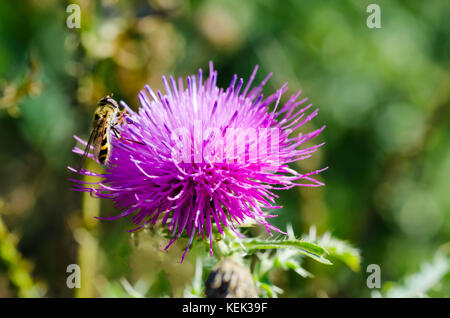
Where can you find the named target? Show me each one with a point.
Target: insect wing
(101, 141)
(88, 147)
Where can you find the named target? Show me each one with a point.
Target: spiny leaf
(341, 250)
(336, 248)
(271, 290)
(418, 284)
(309, 249)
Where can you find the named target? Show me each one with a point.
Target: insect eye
(113, 102)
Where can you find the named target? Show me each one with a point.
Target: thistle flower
(209, 157)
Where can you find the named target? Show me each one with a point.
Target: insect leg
(121, 139)
(122, 116)
(88, 148)
(117, 133)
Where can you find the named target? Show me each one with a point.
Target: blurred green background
(383, 94)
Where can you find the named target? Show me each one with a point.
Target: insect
(106, 117)
(230, 279)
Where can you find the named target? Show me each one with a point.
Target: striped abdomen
(103, 155)
(102, 144)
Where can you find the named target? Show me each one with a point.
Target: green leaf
(418, 284)
(309, 249)
(271, 290)
(341, 250)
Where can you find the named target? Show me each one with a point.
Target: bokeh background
(383, 94)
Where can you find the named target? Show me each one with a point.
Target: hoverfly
(106, 117)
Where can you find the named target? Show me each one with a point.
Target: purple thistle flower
(209, 156)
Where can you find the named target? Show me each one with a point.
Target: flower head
(209, 156)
